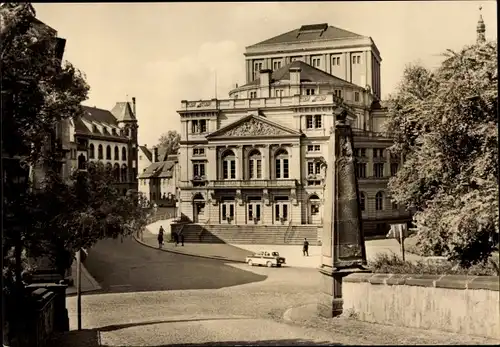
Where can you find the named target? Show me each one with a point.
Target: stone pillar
(240, 163)
(266, 162)
(212, 163)
(343, 247)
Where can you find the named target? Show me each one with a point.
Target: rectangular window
(198, 169)
(233, 169)
(225, 171)
(317, 121)
(309, 121)
(338, 93)
(276, 65)
(354, 59)
(317, 148)
(361, 170)
(317, 168)
(279, 93)
(285, 168)
(198, 151)
(310, 91)
(358, 59)
(194, 126)
(356, 96)
(250, 212)
(278, 168)
(277, 211)
(224, 211)
(310, 168)
(250, 169)
(253, 95)
(316, 62)
(257, 211)
(285, 211)
(378, 170)
(394, 169)
(336, 61)
(259, 168)
(203, 126)
(231, 211)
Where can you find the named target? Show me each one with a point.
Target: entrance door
(199, 210)
(281, 212)
(254, 212)
(227, 212)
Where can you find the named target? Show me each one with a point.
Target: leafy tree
(445, 125)
(169, 142)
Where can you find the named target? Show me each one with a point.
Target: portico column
(266, 162)
(239, 163)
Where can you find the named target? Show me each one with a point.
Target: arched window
(281, 164)
(91, 151)
(108, 152)
(124, 173)
(113, 132)
(99, 152)
(116, 172)
(127, 131)
(124, 154)
(314, 206)
(117, 153)
(81, 162)
(228, 165)
(109, 167)
(254, 165)
(362, 201)
(379, 201)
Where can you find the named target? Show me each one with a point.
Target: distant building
(144, 158)
(158, 182)
(258, 159)
(109, 139)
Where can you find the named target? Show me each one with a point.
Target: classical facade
(109, 139)
(259, 157)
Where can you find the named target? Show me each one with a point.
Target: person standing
(160, 237)
(176, 238)
(182, 239)
(305, 248)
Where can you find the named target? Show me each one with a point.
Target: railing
(278, 183)
(200, 234)
(287, 236)
(161, 216)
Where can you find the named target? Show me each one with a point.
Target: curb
(92, 280)
(188, 254)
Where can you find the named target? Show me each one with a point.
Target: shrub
(392, 263)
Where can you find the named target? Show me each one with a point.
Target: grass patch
(392, 263)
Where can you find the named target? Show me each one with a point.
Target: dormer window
(253, 95)
(338, 93)
(310, 91)
(94, 129)
(113, 132)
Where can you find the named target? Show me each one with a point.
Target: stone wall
(461, 304)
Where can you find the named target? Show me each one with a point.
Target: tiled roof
(162, 169)
(314, 32)
(123, 111)
(147, 152)
(94, 114)
(308, 73)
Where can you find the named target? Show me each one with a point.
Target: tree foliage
(169, 142)
(445, 125)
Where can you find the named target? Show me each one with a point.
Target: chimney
(155, 154)
(265, 82)
(133, 106)
(295, 80)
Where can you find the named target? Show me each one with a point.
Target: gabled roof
(253, 126)
(313, 32)
(94, 114)
(162, 169)
(146, 152)
(123, 112)
(308, 73)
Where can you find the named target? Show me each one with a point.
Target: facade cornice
(102, 137)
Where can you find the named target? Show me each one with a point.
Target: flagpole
(215, 72)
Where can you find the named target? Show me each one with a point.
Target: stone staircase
(250, 234)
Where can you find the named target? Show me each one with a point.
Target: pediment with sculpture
(254, 127)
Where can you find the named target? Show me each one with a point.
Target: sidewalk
(237, 252)
(89, 284)
(220, 251)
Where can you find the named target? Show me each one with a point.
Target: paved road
(130, 267)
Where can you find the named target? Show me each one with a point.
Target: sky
(162, 53)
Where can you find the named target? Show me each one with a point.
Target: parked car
(268, 258)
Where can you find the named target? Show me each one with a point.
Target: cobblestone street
(205, 301)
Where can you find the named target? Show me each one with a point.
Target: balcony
(285, 183)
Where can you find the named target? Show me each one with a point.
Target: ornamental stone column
(343, 246)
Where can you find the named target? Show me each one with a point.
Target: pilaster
(387, 163)
(211, 169)
(240, 162)
(369, 168)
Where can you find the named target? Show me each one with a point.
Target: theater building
(258, 158)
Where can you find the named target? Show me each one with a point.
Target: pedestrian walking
(160, 237)
(182, 239)
(176, 238)
(305, 248)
